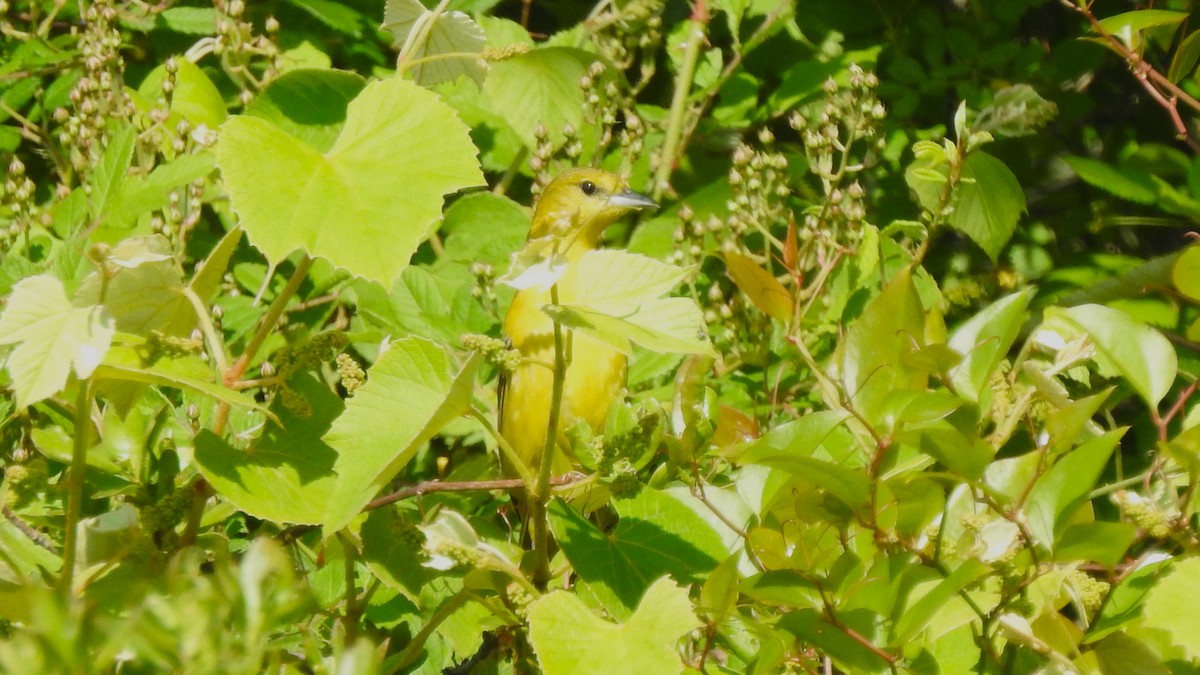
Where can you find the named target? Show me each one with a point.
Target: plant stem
(541, 493)
(683, 87)
(75, 476)
(415, 647)
(419, 35)
(207, 329)
(235, 372)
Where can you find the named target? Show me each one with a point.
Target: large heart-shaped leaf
(369, 201)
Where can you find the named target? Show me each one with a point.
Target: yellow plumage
(574, 208)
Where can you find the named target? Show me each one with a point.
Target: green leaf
(1183, 62)
(394, 560)
(665, 325)
(1125, 346)
(540, 87)
(1128, 284)
(1099, 542)
(367, 203)
(801, 438)
(309, 104)
(848, 653)
(188, 20)
(53, 337)
(110, 172)
(763, 289)
(1170, 606)
(194, 96)
(1059, 492)
(143, 290)
(1132, 184)
(571, 640)
(187, 373)
(410, 394)
(1185, 274)
(336, 15)
(207, 280)
(1120, 654)
(720, 591)
(1128, 26)
(984, 341)
(988, 202)
(620, 304)
(141, 194)
(1125, 601)
(453, 44)
(1016, 110)
(919, 612)
(892, 326)
(656, 535)
(484, 227)
(286, 474)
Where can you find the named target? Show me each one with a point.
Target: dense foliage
(913, 337)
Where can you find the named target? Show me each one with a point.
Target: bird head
(580, 203)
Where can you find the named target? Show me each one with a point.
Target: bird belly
(595, 377)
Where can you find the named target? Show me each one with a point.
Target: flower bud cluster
(99, 95)
(758, 177)
(350, 373)
(407, 533)
(484, 289)
(629, 31)
(841, 139)
(1090, 591)
(494, 351)
(239, 47)
(23, 482)
(159, 345)
(1145, 513)
(288, 360)
(17, 204)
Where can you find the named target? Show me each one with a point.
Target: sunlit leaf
(1127, 347)
(763, 289)
(571, 640)
(410, 394)
(53, 337)
(452, 43)
(363, 210)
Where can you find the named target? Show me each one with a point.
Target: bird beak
(628, 199)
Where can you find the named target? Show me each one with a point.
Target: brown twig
(29, 531)
(1165, 92)
(430, 486)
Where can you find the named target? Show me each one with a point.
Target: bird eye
(588, 187)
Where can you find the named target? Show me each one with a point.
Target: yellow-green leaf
(763, 289)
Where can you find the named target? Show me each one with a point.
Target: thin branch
(541, 494)
(75, 479)
(29, 531)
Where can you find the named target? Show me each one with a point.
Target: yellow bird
(575, 208)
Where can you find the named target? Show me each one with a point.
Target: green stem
(683, 87)
(207, 329)
(505, 449)
(541, 494)
(514, 168)
(475, 56)
(419, 35)
(353, 609)
(413, 649)
(75, 476)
